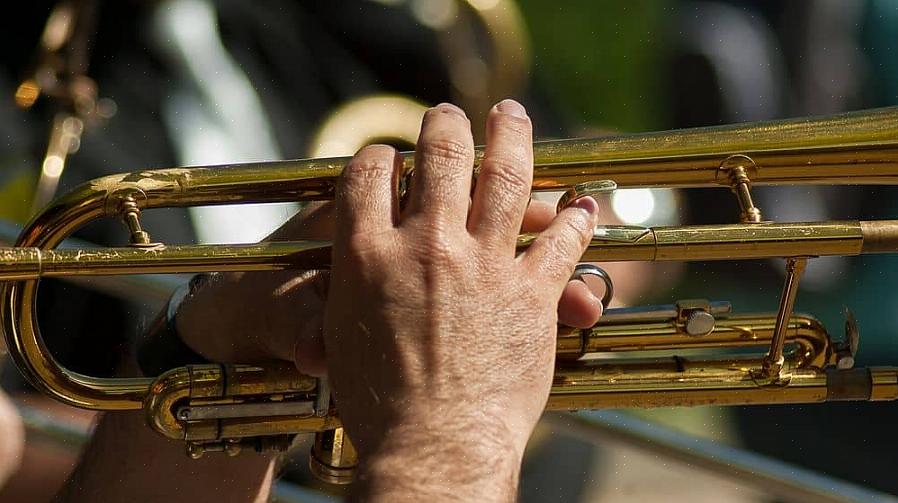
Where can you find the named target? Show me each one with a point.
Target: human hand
(259, 316)
(440, 339)
(12, 438)
(263, 316)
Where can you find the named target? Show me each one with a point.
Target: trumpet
(687, 353)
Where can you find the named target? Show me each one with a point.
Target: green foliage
(601, 62)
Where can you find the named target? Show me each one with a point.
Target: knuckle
(366, 247)
(508, 172)
(438, 248)
(363, 172)
(574, 237)
(578, 230)
(561, 249)
(446, 150)
(373, 161)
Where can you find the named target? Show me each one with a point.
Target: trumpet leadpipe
(724, 384)
(609, 244)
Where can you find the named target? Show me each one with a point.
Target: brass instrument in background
(661, 355)
(59, 73)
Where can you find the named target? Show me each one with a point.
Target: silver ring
(584, 269)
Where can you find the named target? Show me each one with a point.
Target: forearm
(478, 465)
(235, 318)
(127, 461)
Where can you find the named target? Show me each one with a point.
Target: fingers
(308, 352)
(578, 306)
(291, 328)
(314, 221)
(444, 160)
(553, 255)
(506, 174)
(366, 192)
(538, 216)
(12, 431)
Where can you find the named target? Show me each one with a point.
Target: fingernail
(449, 107)
(511, 107)
(587, 204)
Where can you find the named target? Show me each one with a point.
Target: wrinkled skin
(253, 317)
(440, 340)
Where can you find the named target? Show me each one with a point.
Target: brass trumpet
(782, 357)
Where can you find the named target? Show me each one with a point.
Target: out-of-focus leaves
(601, 62)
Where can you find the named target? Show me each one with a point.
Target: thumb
(308, 352)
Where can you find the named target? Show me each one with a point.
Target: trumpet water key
(692, 352)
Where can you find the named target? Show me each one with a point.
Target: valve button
(699, 323)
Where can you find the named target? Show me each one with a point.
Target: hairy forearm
(234, 318)
(127, 461)
(410, 465)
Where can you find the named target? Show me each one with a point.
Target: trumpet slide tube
(231, 407)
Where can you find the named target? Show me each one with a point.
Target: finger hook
(585, 269)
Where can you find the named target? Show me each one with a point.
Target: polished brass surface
(661, 380)
(690, 353)
(737, 169)
(609, 244)
(773, 361)
(333, 458)
(594, 189)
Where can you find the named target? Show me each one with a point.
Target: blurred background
(91, 87)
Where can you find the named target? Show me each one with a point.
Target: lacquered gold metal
(736, 169)
(594, 189)
(662, 355)
(609, 244)
(696, 374)
(773, 361)
(333, 458)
